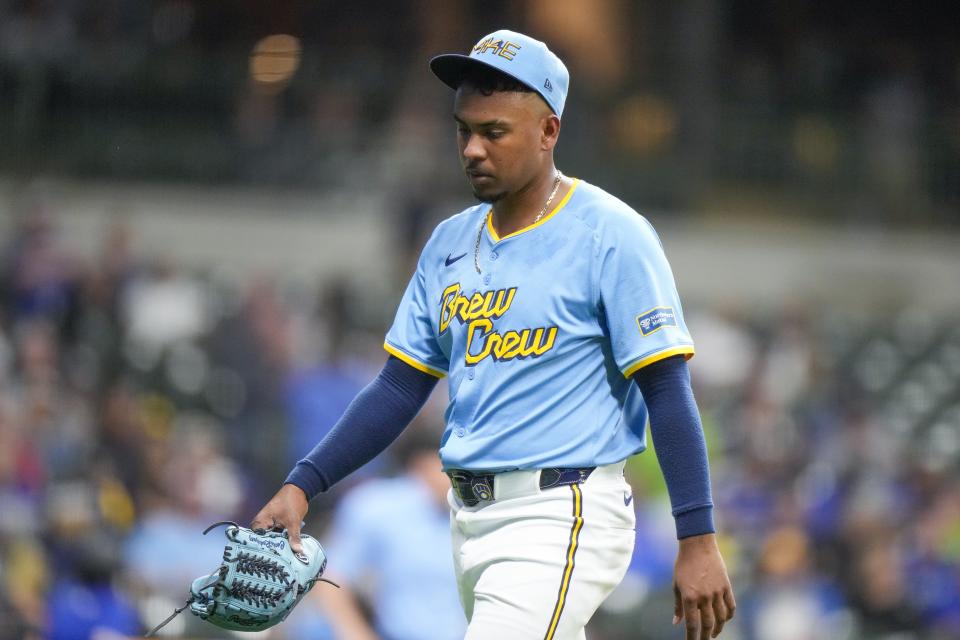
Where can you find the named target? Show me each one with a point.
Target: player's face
(501, 140)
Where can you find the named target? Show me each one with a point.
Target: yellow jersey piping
(560, 205)
(686, 350)
(416, 364)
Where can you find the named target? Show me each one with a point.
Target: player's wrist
(297, 492)
(307, 478)
(703, 540)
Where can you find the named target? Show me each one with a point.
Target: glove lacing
(251, 564)
(257, 595)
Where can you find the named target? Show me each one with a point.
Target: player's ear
(549, 131)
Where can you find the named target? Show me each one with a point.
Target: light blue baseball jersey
(540, 346)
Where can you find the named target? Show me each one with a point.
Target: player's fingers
(720, 615)
(707, 619)
(261, 522)
(691, 615)
(730, 601)
(293, 534)
(677, 606)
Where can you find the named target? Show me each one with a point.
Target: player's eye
(463, 131)
(494, 134)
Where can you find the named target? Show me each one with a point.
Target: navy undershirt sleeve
(379, 413)
(679, 443)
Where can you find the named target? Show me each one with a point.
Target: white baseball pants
(536, 564)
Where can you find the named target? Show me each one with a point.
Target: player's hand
(703, 596)
(285, 510)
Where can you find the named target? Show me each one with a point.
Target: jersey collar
(560, 205)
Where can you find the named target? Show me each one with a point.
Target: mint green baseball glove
(259, 582)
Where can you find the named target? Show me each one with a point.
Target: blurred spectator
(931, 568)
(391, 542)
(192, 485)
(318, 394)
(84, 600)
(12, 622)
(37, 274)
(123, 439)
(879, 589)
(163, 308)
(253, 351)
(789, 601)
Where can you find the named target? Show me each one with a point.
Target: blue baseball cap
(519, 56)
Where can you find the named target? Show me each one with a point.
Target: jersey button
(493, 256)
(460, 431)
(486, 279)
(470, 373)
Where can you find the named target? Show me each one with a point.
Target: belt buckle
(471, 488)
(460, 481)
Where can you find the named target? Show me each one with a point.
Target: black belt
(472, 488)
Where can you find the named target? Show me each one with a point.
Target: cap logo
(502, 48)
(548, 86)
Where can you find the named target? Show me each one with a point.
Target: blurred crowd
(140, 402)
(835, 443)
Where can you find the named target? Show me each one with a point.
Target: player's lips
(478, 176)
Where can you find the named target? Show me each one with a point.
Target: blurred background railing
(684, 105)
(208, 212)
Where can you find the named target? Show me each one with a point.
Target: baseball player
(553, 311)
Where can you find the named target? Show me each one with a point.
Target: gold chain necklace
(476, 248)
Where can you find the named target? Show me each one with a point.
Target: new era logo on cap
(517, 55)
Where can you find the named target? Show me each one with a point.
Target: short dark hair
(487, 80)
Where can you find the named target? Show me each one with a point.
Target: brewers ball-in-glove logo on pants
(259, 582)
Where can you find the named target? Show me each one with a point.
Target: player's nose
(473, 149)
